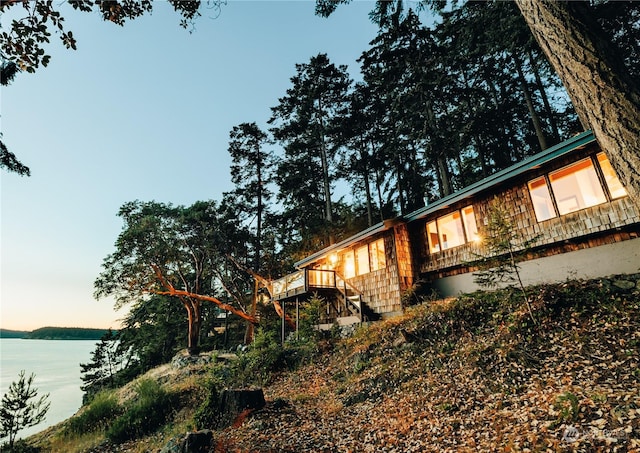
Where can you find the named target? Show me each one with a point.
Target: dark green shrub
(206, 414)
(146, 413)
(97, 415)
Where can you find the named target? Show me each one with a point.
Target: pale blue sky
(140, 112)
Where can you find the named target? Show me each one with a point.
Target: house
(567, 200)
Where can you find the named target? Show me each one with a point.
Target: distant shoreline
(55, 333)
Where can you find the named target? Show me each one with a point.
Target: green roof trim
(504, 175)
(377, 228)
(481, 186)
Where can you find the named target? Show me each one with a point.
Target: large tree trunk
(603, 93)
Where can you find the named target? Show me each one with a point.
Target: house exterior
(567, 201)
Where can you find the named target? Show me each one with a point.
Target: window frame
(467, 236)
(601, 177)
(352, 265)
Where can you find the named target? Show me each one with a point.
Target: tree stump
(235, 404)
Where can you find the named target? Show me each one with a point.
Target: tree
(169, 251)
(20, 409)
(504, 246)
(305, 123)
(598, 70)
(107, 360)
(251, 171)
(603, 90)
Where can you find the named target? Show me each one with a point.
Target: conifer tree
(20, 409)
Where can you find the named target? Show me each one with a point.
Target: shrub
(206, 414)
(146, 413)
(97, 415)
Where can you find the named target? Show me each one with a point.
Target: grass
(485, 339)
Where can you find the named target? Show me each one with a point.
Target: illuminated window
(349, 264)
(449, 231)
(470, 227)
(576, 187)
(362, 260)
(376, 251)
(541, 199)
(613, 183)
(432, 234)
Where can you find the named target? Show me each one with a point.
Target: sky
(140, 112)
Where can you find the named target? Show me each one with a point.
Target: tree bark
(603, 93)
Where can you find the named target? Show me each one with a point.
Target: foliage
(108, 359)
(66, 333)
(304, 123)
(24, 42)
(252, 172)
(504, 246)
(145, 414)
(96, 416)
(310, 316)
(178, 252)
(10, 162)
(207, 413)
(20, 408)
(264, 357)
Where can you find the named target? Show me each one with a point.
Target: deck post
(283, 321)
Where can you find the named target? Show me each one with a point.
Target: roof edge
(498, 177)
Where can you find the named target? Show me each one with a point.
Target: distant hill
(65, 333)
(6, 333)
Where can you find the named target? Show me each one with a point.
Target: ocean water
(56, 365)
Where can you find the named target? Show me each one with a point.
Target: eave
(504, 175)
(364, 234)
(468, 192)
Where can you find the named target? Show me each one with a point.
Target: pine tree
(107, 359)
(305, 124)
(504, 246)
(20, 408)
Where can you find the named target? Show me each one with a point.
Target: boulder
(235, 404)
(192, 442)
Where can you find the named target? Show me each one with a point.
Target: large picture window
(362, 260)
(376, 251)
(574, 187)
(452, 230)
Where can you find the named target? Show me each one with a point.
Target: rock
(624, 284)
(182, 360)
(192, 442)
(235, 404)
(198, 441)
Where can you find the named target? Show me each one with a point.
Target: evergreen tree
(252, 171)
(304, 122)
(20, 409)
(107, 360)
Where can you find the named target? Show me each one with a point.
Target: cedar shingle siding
(406, 243)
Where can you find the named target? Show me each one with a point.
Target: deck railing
(307, 280)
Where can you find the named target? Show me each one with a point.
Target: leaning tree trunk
(603, 93)
(193, 311)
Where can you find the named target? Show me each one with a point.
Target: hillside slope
(464, 375)
(470, 375)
